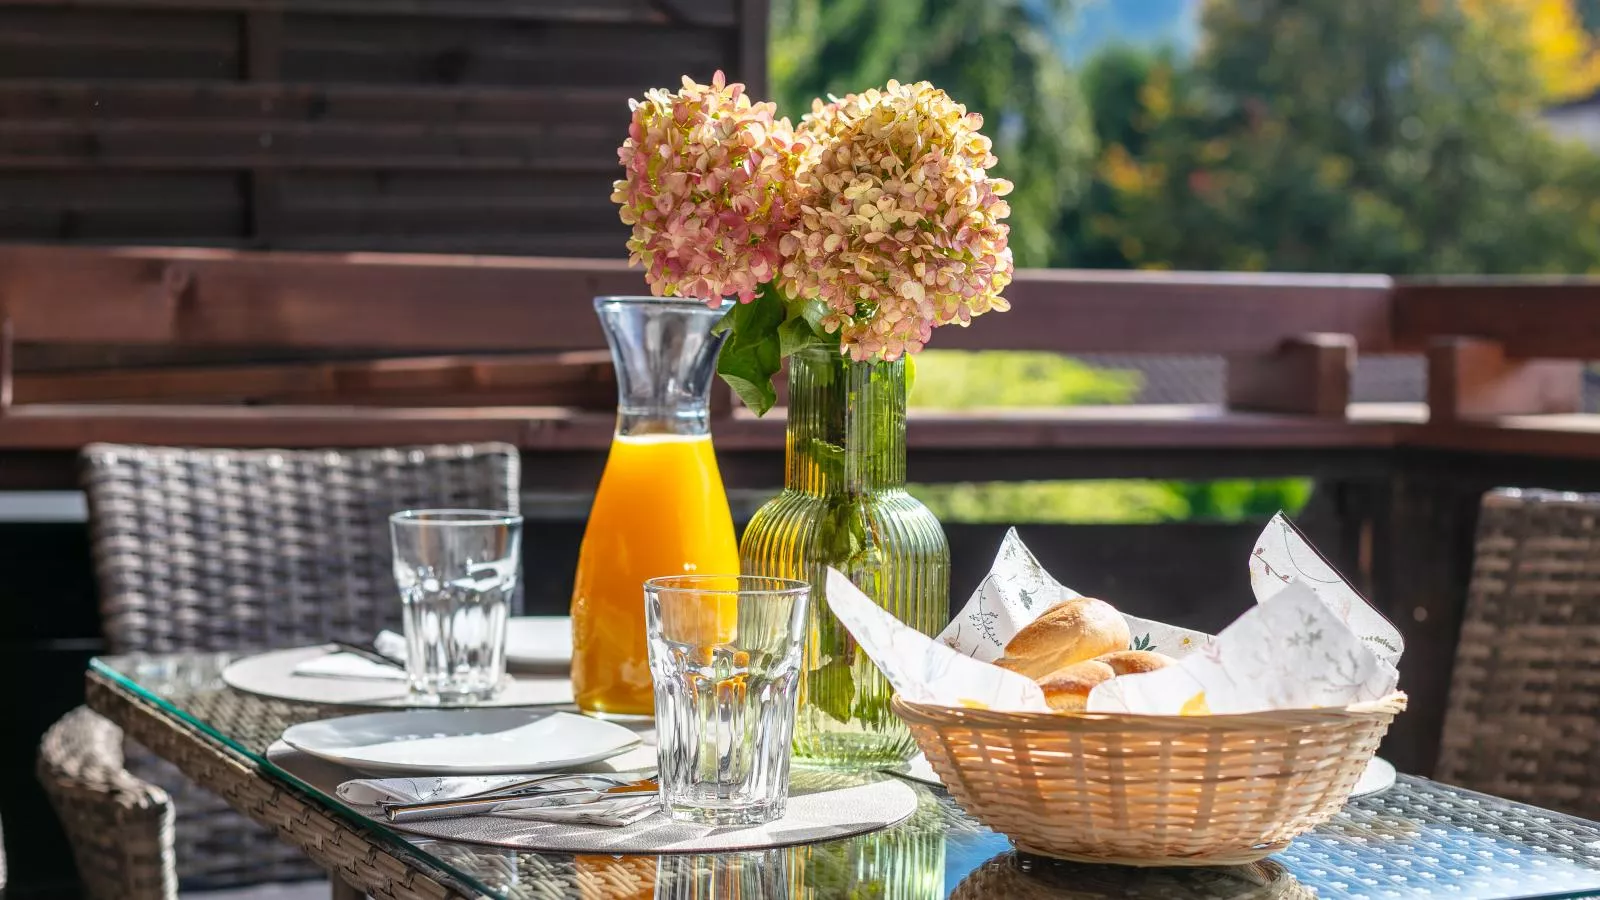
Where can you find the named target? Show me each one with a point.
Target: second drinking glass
(457, 572)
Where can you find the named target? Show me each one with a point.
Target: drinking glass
(725, 658)
(457, 571)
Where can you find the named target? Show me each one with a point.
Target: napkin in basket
(1310, 641)
(615, 812)
(349, 665)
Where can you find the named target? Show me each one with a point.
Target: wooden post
(1472, 377)
(7, 360)
(1307, 375)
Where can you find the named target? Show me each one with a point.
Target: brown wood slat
(1084, 311)
(462, 52)
(277, 102)
(581, 379)
(392, 301)
(715, 13)
(1528, 317)
(66, 144)
(302, 300)
(116, 44)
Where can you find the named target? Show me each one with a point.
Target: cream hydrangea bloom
(709, 188)
(900, 224)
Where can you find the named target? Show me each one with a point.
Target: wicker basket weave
(1151, 790)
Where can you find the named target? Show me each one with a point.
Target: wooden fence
(428, 348)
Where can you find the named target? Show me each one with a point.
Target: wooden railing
(404, 349)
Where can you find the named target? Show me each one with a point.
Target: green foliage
(753, 351)
(1337, 135)
(1124, 502)
(957, 379)
(1054, 502)
(996, 56)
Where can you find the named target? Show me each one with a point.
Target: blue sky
(1148, 22)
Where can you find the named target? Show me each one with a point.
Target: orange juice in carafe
(660, 508)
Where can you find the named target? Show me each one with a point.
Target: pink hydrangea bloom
(900, 225)
(709, 188)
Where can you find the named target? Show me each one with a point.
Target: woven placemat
(823, 805)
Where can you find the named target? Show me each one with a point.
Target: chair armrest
(120, 827)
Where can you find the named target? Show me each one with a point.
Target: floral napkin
(1310, 641)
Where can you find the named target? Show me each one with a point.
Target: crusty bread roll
(1132, 662)
(1068, 688)
(1070, 632)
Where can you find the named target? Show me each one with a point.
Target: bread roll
(1132, 662)
(1068, 633)
(1068, 688)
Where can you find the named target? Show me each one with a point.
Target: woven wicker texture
(1151, 790)
(247, 550)
(1523, 719)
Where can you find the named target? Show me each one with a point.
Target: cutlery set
(539, 791)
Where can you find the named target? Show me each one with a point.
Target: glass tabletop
(1419, 839)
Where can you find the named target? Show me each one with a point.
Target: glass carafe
(660, 508)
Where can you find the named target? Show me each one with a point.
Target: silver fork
(516, 788)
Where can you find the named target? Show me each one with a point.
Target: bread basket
(1147, 790)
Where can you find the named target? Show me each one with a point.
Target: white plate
(539, 642)
(1379, 776)
(272, 675)
(462, 741)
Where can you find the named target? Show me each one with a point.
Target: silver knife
(443, 809)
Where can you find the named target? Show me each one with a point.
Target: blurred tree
(1347, 135)
(996, 56)
(1559, 34)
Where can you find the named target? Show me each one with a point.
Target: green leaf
(753, 352)
(795, 335)
(832, 689)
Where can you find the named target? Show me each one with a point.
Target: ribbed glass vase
(844, 505)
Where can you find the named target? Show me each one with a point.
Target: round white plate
(1379, 776)
(271, 674)
(462, 741)
(539, 642)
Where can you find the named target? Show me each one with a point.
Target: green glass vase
(844, 505)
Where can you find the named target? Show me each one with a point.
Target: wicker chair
(1523, 719)
(209, 550)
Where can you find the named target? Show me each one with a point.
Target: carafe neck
(665, 357)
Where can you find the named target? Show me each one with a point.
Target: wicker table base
(359, 861)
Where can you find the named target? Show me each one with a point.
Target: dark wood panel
(55, 144)
(120, 44)
(270, 102)
(457, 52)
(694, 12)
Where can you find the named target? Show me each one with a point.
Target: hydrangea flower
(900, 224)
(709, 187)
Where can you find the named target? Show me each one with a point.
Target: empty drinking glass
(725, 659)
(457, 571)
